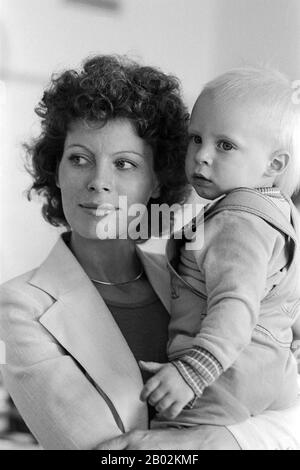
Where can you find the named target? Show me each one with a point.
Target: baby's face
(229, 147)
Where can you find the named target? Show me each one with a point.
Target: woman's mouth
(98, 210)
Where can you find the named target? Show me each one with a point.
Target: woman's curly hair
(110, 87)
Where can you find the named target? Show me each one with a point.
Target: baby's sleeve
(235, 258)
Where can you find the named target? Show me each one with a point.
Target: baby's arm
(167, 391)
(234, 262)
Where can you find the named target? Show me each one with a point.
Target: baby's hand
(167, 391)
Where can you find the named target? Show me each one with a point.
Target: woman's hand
(167, 391)
(205, 437)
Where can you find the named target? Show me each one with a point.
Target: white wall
(194, 39)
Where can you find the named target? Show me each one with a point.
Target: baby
(236, 298)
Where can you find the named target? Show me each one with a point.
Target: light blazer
(56, 326)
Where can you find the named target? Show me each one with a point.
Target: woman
(75, 327)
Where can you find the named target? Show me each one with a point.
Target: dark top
(145, 328)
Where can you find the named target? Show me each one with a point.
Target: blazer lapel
(83, 325)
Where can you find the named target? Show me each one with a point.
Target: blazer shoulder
(18, 282)
(18, 294)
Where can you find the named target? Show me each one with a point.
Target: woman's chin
(100, 232)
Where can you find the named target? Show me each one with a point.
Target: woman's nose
(101, 178)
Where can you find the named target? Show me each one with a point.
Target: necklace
(119, 283)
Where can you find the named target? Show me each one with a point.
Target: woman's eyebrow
(118, 152)
(78, 145)
(142, 155)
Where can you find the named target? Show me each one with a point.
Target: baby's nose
(204, 156)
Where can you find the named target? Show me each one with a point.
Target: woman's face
(99, 166)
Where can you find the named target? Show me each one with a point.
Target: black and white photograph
(149, 227)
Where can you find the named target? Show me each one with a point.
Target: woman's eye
(78, 160)
(196, 139)
(124, 164)
(225, 146)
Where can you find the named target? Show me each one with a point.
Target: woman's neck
(106, 260)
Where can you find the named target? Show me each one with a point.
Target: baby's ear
(278, 163)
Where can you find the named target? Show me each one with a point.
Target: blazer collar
(60, 272)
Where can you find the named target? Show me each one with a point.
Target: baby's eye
(196, 139)
(124, 164)
(225, 146)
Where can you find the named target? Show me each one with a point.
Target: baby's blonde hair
(276, 99)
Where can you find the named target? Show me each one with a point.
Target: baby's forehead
(209, 98)
(222, 116)
(218, 108)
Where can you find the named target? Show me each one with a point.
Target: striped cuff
(199, 368)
